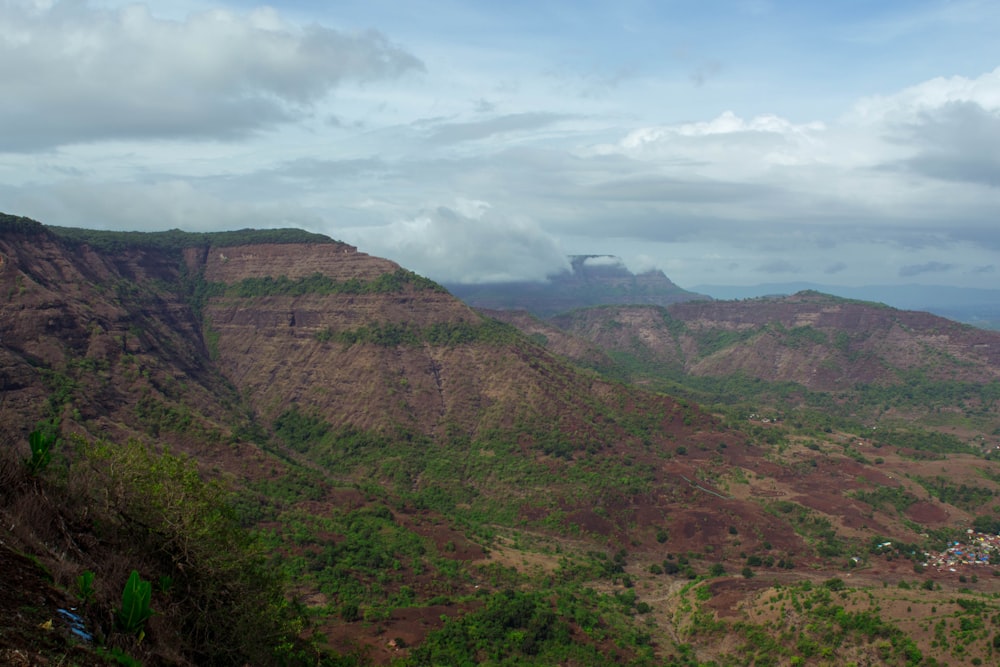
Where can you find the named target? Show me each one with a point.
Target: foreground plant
(135, 609)
(41, 444)
(85, 586)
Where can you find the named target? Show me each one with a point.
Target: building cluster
(977, 549)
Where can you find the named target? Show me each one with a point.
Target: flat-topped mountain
(592, 280)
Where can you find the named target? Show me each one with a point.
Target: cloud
(911, 104)
(311, 169)
(643, 263)
(603, 261)
(673, 190)
(450, 133)
(836, 267)
(958, 141)
(911, 270)
(170, 204)
(469, 242)
(778, 266)
(76, 73)
(725, 123)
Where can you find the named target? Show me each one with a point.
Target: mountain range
(595, 280)
(314, 456)
(977, 306)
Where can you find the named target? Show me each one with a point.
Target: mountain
(319, 381)
(592, 280)
(314, 456)
(977, 306)
(841, 356)
(819, 341)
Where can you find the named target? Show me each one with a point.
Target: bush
(835, 584)
(226, 600)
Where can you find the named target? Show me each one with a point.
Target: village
(977, 549)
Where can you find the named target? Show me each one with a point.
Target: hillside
(979, 306)
(819, 344)
(323, 458)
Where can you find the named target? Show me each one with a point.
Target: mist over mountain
(591, 281)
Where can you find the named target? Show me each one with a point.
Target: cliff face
(102, 329)
(154, 337)
(231, 264)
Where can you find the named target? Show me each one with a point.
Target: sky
(724, 142)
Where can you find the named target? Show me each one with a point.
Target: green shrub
(226, 599)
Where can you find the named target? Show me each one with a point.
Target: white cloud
(604, 260)
(910, 103)
(113, 117)
(469, 241)
(76, 73)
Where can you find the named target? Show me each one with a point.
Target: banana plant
(85, 586)
(135, 609)
(41, 450)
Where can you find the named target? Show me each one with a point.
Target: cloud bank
(481, 150)
(124, 73)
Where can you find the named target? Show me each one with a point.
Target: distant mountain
(592, 281)
(848, 357)
(977, 306)
(818, 341)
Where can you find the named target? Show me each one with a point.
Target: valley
(338, 462)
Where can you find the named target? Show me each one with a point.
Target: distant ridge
(593, 280)
(976, 306)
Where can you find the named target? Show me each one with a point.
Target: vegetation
(176, 240)
(446, 334)
(153, 511)
(135, 609)
(516, 628)
(41, 443)
(969, 498)
(318, 283)
(563, 519)
(15, 224)
(886, 497)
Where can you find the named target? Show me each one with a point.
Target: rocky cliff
(144, 333)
